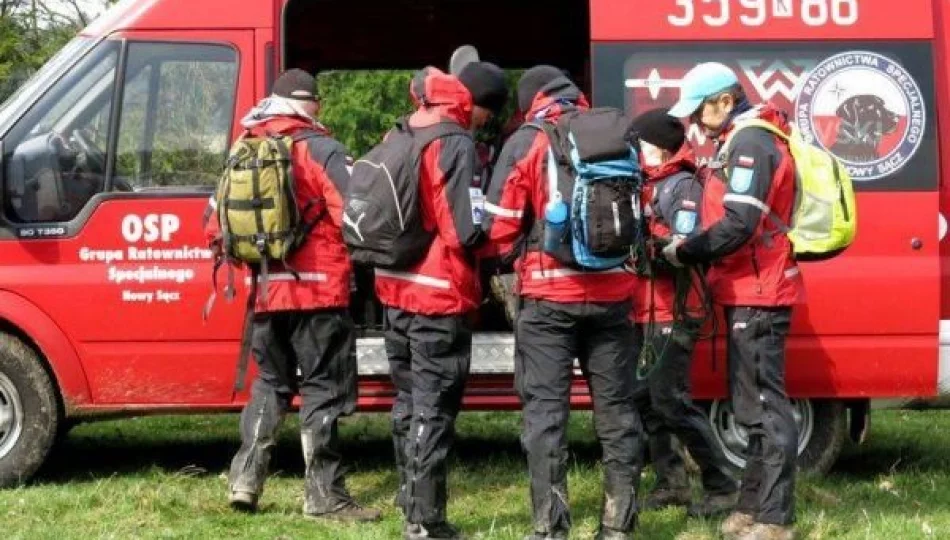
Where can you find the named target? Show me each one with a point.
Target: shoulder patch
(685, 221)
(741, 179)
(745, 161)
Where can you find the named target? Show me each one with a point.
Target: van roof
(167, 15)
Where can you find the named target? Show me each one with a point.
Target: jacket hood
(439, 96)
(767, 112)
(684, 160)
(277, 111)
(556, 97)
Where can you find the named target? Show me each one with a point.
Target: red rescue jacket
(752, 260)
(659, 298)
(446, 281)
(321, 262)
(517, 195)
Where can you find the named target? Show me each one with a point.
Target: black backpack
(382, 224)
(595, 171)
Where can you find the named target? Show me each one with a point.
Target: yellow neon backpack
(824, 218)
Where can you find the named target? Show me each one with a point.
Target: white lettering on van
(150, 227)
(100, 255)
(138, 296)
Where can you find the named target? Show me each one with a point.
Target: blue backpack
(592, 219)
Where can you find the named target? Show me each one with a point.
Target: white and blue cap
(701, 83)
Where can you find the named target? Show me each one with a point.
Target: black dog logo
(865, 120)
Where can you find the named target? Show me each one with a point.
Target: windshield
(77, 47)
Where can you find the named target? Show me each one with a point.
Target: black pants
(319, 343)
(757, 384)
(668, 409)
(429, 358)
(548, 337)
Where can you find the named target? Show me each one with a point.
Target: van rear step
(492, 353)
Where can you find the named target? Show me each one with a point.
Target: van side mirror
(14, 184)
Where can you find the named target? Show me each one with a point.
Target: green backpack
(260, 219)
(824, 218)
(258, 214)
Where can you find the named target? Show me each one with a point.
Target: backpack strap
(780, 224)
(247, 330)
(423, 137)
(305, 226)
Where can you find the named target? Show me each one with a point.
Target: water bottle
(555, 226)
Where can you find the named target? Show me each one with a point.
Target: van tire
(828, 438)
(825, 433)
(29, 412)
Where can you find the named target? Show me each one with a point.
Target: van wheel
(822, 432)
(29, 413)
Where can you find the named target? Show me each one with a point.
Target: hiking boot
(422, 531)
(243, 501)
(737, 524)
(713, 505)
(663, 497)
(347, 511)
(559, 535)
(766, 531)
(606, 533)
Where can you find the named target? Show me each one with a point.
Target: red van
(109, 153)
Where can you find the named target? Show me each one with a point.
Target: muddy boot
(672, 484)
(559, 535)
(763, 531)
(737, 524)
(663, 497)
(612, 534)
(346, 511)
(713, 505)
(619, 513)
(552, 518)
(325, 494)
(260, 421)
(423, 531)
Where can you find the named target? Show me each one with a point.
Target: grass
(163, 477)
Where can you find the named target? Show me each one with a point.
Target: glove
(669, 252)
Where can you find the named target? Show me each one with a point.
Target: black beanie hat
(532, 81)
(486, 82)
(296, 84)
(660, 129)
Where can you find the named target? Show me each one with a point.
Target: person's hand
(669, 252)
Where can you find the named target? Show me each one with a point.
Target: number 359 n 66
(759, 12)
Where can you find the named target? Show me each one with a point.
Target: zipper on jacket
(755, 268)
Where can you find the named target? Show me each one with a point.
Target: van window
(55, 156)
(176, 114)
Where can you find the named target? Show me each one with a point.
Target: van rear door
(856, 80)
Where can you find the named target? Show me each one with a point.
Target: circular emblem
(865, 109)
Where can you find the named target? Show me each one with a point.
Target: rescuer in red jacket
(303, 320)
(566, 314)
(673, 195)
(754, 275)
(428, 339)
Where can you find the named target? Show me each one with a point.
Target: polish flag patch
(689, 205)
(745, 161)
